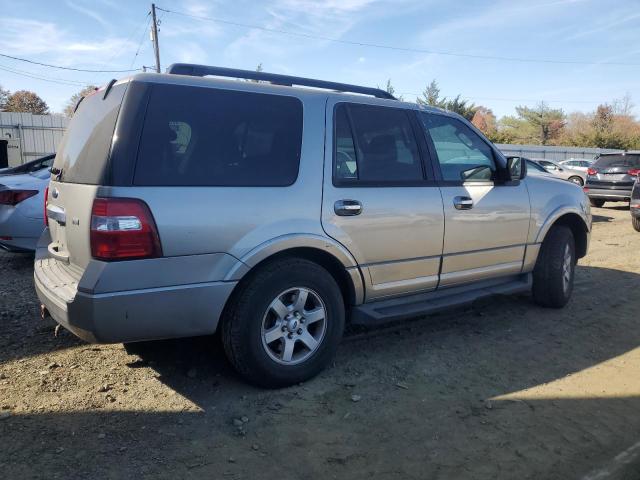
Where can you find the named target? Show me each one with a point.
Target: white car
(21, 210)
(581, 164)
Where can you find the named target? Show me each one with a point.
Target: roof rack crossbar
(286, 80)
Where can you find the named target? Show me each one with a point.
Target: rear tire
(283, 325)
(635, 221)
(555, 269)
(596, 202)
(577, 180)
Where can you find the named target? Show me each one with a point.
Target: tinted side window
(375, 144)
(462, 154)
(205, 137)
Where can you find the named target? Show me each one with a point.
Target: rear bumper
(156, 313)
(135, 300)
(617, 194)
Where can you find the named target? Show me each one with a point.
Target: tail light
(591, 171)
(633, 172)
(123, 229)
(46, 202)
(585, 189)
(14, 197)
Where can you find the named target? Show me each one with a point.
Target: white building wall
(33, 135)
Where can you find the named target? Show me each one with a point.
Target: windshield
(608, 161)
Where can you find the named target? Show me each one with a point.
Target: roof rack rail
(286, 80)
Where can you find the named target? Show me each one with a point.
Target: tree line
(610, 125)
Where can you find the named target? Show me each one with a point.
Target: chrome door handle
(463, 203)
(347, 208)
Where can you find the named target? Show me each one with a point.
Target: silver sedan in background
(581, 164)
(575, 176)
(22, 210)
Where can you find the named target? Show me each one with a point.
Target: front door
(486, 217)
(378, 200)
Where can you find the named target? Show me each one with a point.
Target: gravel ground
(501, 390)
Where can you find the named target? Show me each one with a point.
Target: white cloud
(32, 38)
(89, 12)
(330, 18)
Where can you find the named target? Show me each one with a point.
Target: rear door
(379, 199)
(79, 169)
(486, 219)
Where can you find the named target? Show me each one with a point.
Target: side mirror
(517, 168)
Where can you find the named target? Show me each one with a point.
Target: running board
(385, 311)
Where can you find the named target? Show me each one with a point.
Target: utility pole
(154, 36)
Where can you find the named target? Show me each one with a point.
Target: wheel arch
(578, 226)
(332, 256)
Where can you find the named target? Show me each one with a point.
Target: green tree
(26, 101)
(546, 123)
(71, 103)
(461, 107)
(390, 89)
(431, 97)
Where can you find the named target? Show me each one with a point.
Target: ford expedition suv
(275, 211)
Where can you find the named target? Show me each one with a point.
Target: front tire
(596, 202)
(635, 221)
(283, 325)
(555, 269)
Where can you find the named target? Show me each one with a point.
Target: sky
(472, 48)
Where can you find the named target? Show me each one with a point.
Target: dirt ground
(501, 390)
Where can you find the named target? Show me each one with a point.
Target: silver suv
(278, 209)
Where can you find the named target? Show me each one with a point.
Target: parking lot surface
(505, 389)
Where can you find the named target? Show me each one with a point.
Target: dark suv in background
(611, 177)
(634, 206)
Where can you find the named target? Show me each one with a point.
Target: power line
(60, 81)
(394, 47)
(66, 68)
(144, 32)
(131, 36)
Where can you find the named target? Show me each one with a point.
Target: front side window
(462, 154)
(375, 144)
(195, 136)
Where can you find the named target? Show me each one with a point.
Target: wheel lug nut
(299, 331)
(290, 335)
(284, 329)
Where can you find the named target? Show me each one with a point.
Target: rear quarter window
(84, 151)
(195, 136)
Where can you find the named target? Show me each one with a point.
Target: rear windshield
(84, 150)
(209, 137)
(610, 161)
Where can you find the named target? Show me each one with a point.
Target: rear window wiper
(56, 172)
